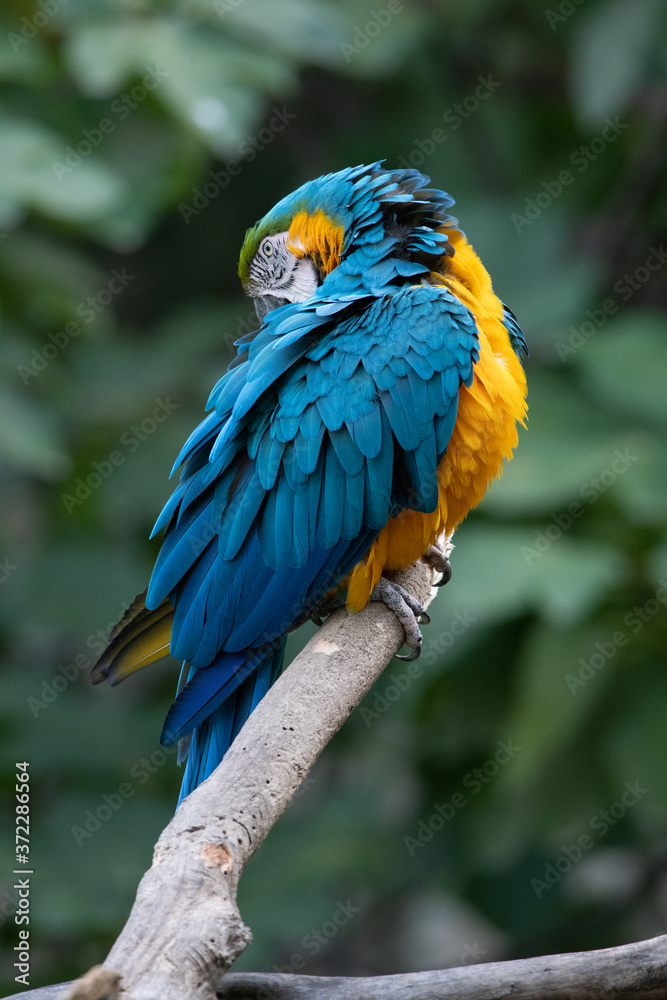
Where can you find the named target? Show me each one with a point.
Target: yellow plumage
(318, 237)
(485, 432)
(141, 637)
(484, 435)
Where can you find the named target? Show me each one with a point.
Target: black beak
(265, 303)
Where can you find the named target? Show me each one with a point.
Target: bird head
(352, 222)
(287, 254)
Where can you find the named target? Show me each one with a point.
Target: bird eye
(267, 248)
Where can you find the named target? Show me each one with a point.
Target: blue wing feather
(215, 733)
(332, 418)
(325, 430)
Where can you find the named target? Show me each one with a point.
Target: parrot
(351, 434)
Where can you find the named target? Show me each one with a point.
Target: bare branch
(185, 929)
(630, 972)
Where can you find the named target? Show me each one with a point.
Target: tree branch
(185, 929)
(630, 972)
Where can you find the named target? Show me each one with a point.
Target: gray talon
(324, 609)
(438, 560)
(407, 609)
(414, 654)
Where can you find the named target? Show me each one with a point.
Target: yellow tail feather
(141, 637)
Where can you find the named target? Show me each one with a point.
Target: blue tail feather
(213, 736)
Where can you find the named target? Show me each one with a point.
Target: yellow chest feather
(485, 432)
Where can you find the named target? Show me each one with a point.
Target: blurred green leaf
(40, 171)
(51, 279)
(659, 564)
(553, 284)
(104, 56)
(307, 30)
(627, 366)
(21, 58)
(643, 492)
(557, 689)
(28, 438)
(381, 39)
(208, 82)
(611, 43)
(83, 605)
(631, 759)
(508, 571)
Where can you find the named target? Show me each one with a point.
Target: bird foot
(438, 559)
(327, 607)
(409, 611)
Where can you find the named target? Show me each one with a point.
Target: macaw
(353, 431)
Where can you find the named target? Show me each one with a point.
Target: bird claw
(407, 609)
(445, 578)
(414, 655)
(323, 610)
(438, 559)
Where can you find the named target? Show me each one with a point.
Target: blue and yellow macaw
(354, 430)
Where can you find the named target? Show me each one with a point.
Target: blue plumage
(213, 736)
(332, 419)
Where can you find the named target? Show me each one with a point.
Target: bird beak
(265, 303)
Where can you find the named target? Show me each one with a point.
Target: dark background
(550, 636)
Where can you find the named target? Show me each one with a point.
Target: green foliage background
(556, 597)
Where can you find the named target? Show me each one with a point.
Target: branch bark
(185, 930)
(630, 972)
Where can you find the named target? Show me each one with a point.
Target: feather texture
(321, 459)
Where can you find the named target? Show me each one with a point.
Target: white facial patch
(304, 281)
(276, 271)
